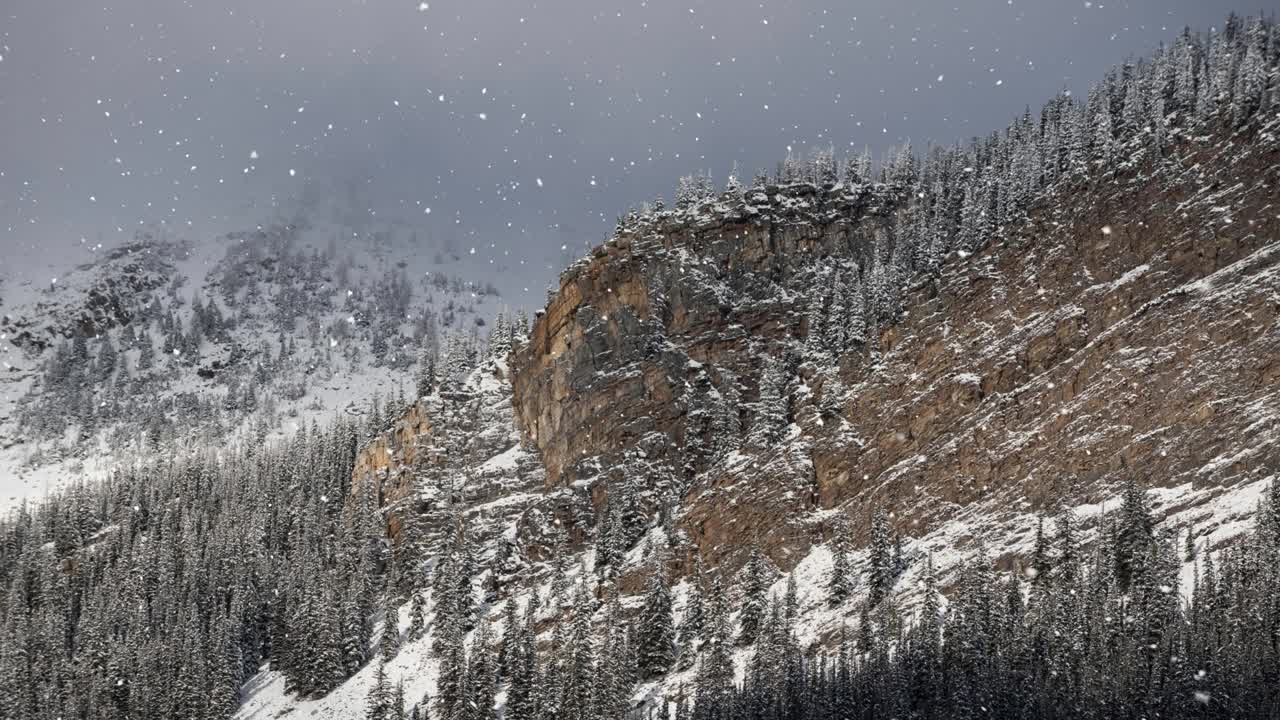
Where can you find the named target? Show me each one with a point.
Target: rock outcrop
(457, 453)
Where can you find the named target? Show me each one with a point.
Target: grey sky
(525, 125)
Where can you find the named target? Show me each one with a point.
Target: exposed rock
(1040, 370)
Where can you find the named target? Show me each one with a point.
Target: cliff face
(662, 310)
(1128, 328)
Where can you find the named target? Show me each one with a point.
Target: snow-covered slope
(259, 330)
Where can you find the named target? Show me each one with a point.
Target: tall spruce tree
(755, 587)
(881, 567)
(656, 636)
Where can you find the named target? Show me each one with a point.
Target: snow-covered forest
(160, 593)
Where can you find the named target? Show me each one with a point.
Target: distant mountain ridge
(165, 341)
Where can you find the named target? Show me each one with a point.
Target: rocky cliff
(1126, 327)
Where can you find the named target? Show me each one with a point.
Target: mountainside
(1124, 330)
(1127, 328)
(164, 341)
(759, 373)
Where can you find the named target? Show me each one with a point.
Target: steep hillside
(1127, 328)
(1124, 330)
(769, 368)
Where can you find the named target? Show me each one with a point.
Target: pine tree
(815, 341)
(773, 412)
(426, 377)
(755, 586)
(1102, 136)
(509, 653)
(1041, 564)
(1067, 557)
(655, 643)
(1251, 78)
(693, 624)
(482, 675)
(716, 672)
(1133, 535)
(580, 670)
(733, 185)
(500, 338)
(841, 583)
(417, 615)
(389, 644)
(613, 679)
(834, 393)
(791, 601)
(726, 423)
(397, 702)
(379, 703)
(523, 661)
(882, 571)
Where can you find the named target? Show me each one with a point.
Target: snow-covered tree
(841, 583)
(773, 410)
(755, 587)
(656, 635)
(881, 568)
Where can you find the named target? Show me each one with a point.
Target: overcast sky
(520, 126)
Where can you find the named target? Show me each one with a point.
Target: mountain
(990, 432)
(165, 341)
(1125, 328)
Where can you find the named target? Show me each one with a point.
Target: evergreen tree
(841, 583)
(397, 702)
(482, 675)
(755, 586)
(693, 625)
(426, 377)
(655, 644)
(715, 673)
(882, 570)
(773, 411)
(380, 701)
(1041, 564)
(417, 616)
(389, 644)
(1133, 535)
